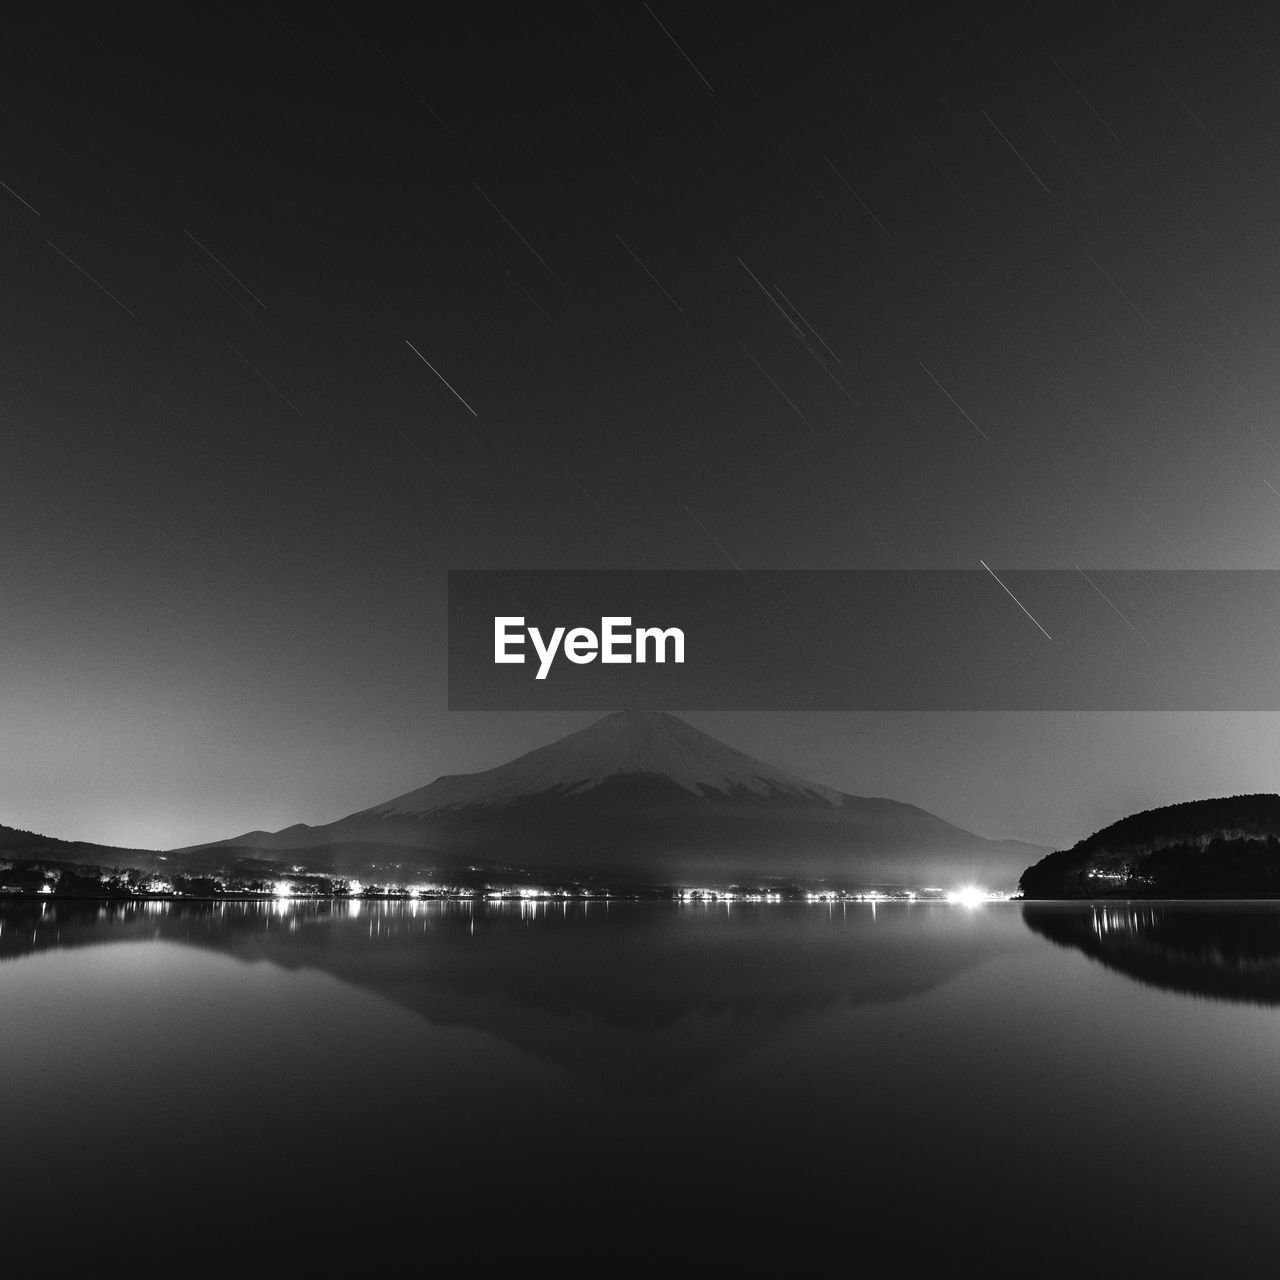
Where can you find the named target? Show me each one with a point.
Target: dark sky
(303, 305)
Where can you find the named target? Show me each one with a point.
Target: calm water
(1037, 1087)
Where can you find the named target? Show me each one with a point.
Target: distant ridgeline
(1222, 848)
(32, 863)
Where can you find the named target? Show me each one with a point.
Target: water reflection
(1223, 951)
(643, 998)
(305, 1075)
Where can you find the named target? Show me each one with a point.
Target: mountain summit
(642, 799)
(628, 744)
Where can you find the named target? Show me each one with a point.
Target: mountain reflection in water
(1223, 951)
(289, 1079)
(642, 998)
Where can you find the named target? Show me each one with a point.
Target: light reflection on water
(1228, 951)
(880, 1066)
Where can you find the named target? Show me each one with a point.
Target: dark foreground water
(1035, 1089)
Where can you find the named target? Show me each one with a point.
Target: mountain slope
(641, 799)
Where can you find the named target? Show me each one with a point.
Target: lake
(1026, 1087)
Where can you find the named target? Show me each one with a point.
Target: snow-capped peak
(627, 743)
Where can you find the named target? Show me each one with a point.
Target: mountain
(28, 860)
(16, 843)
(79, 868)
(642, 799)
(1219, 848)
(625, 744)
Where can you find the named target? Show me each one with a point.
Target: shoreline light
(968, 895)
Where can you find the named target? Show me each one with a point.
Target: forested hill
(1218, 848)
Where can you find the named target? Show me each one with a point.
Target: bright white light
(283, 889)
(967, 896)
(355, 888)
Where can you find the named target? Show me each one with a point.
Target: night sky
(303, 305)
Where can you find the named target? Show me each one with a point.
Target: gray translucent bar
(983, 639)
